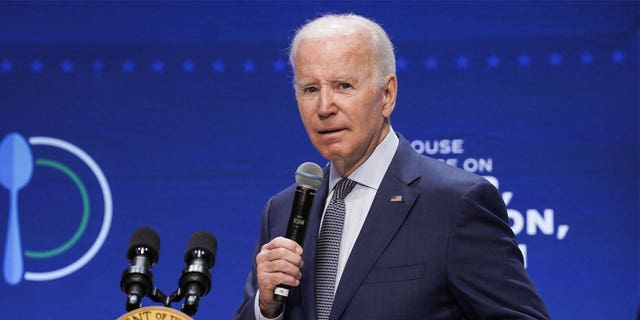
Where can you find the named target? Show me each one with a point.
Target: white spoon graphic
(16, 168)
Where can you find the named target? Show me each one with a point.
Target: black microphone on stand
(143, 253)
(195, 281)
(308, 179)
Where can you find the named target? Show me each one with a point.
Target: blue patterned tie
(329, 248)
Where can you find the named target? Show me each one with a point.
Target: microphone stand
(157, 295)
(175, 296)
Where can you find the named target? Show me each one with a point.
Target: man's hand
(279, 262)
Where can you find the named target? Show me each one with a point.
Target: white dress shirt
(358, 202)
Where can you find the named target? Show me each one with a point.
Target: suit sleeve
(246, 309)
(485, 269)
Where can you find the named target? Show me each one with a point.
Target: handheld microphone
(195, 281)
(137, 280)
(308, 179)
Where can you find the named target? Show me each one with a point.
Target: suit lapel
(391, 205)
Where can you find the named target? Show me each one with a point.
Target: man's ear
(390, 91)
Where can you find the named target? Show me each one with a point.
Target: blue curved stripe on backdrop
(189, 111)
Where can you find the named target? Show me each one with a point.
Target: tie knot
(343, 188)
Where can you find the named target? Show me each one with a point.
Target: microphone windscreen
(202, 240)
(309, 175)
(145, 237)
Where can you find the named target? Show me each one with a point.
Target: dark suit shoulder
(437, 174)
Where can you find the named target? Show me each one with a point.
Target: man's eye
(345, 86)
(310, 90)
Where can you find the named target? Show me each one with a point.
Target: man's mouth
(329, 131)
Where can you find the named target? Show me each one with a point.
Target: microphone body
(195, 281)
(137, 280)
(297, 226)
(308, 178)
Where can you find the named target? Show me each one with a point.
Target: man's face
(344, 110)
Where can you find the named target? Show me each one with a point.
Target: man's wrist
(263, 312)
(270, 311)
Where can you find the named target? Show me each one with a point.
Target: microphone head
(148, 238)
(205, 241)
(309, 175)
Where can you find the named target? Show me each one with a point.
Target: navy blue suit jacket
(444, 252)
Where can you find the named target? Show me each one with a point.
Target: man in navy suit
(420, 239)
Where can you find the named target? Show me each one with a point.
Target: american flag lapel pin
(397, 198)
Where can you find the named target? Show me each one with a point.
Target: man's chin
(334, 155)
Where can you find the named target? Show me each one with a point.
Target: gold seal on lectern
(155, 313)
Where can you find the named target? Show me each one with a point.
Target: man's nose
(326, 105)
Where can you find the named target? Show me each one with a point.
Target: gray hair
(384, 62)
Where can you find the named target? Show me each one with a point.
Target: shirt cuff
(258, 314)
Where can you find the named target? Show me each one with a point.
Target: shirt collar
(372, 170)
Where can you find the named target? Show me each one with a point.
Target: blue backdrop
(181, 117)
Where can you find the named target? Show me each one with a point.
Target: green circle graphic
(85, 212)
